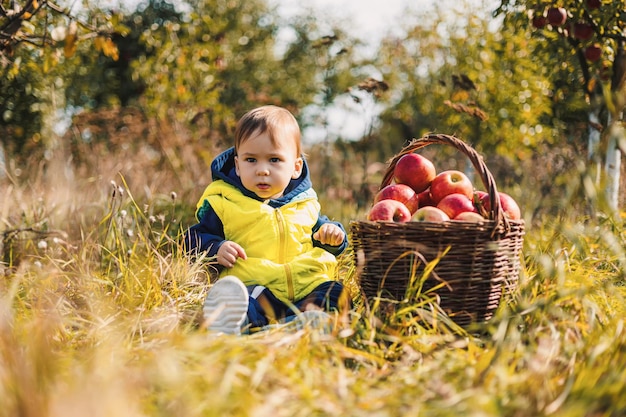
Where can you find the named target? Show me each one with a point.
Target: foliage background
(105, 152)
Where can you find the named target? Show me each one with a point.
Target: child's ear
(297, 168)
(237, 165)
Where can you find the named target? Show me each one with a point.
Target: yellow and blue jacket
(276, 234)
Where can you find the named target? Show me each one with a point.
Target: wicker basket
(481, 264)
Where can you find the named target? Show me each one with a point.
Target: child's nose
(263, 171)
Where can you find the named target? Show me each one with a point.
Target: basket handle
(476, 159)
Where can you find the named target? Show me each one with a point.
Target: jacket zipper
(280, 220)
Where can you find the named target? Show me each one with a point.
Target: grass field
(99, 317)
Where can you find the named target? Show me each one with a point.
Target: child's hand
(228, 253)
(329, 234)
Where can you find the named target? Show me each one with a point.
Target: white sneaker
(226, 306)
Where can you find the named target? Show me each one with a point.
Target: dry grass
(99, 316)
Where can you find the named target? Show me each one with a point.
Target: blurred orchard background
(110, 115)
(153, 92)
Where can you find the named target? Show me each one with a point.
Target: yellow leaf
(460, 95)
(99, 43)
(110, 49)
(70, 45)
(591, 86)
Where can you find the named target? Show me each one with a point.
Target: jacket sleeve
(335, 250)
(205, 236)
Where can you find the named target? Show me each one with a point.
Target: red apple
(450, 182)
(593, 52)
(509, 206)
(400, 192)
(594, 4)
(556, 16)
(389, 210)
(414, 170)
(425, 199)
(430, 214)
(582, 31)
(456, 203)
(469, 216)
(539, 21)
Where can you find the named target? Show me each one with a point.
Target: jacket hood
(223, 168)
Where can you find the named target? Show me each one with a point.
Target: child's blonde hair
(278, 122)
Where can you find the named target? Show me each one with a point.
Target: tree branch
(11, 22)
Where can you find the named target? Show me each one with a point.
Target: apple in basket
(469, 216)
(509, 206)
(456, 203)
(414, 170)
(430, 214)
(389, 210)
(399, 192)
(450, 182)
(424, 198)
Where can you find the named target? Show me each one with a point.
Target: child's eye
(251, 160)
(274, 160)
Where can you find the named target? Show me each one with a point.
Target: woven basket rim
(496, 230)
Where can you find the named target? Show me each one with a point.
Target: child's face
(266, 169)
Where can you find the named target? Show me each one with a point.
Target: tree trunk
(616, 129)
(613, 165)
(3, 166)
(594, 143)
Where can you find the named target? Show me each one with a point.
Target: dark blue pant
(265, 308)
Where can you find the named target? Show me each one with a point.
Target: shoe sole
(226, 306)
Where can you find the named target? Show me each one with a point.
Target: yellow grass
(99, 317)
